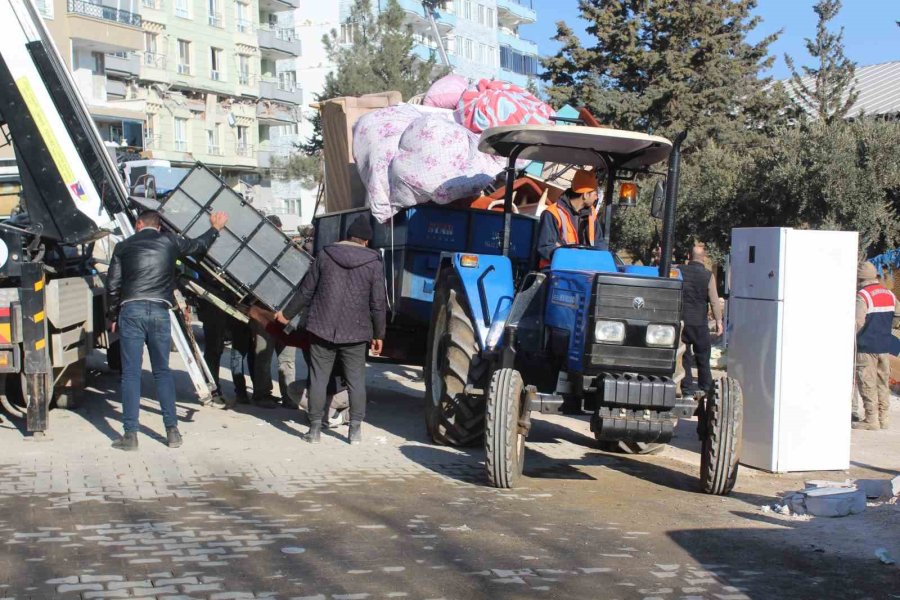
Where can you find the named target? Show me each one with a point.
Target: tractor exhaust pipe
(668, 234)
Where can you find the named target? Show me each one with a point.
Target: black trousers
(322, 356)
(698, 347)
(214, 323)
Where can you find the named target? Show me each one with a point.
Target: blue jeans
(144, 322)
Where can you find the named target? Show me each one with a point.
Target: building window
(98, 63)
(244, 69)
(346, 33)
(490, 18)
(523, 64)
(243, 140)
(241, 20)
(216, 66)
(467, 10)
(115, 133)
(182, 9)
(215, 13)
(212, 141)
(45, 8)
(287, 81)
(184, 57)
(482, 15)
(181, 137)
(469, 49)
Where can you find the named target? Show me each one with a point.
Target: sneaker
(314, 435)
(173, 437)
(355, 436)
(128, 442)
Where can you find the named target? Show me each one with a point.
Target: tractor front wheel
(504, 436)
(452, 416)
(721, 443)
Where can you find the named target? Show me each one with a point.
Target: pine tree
(661, 66)
(826, 92)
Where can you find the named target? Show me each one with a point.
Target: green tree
(827, 91)
(662, 67)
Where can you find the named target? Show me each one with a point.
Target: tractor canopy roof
(577, 145)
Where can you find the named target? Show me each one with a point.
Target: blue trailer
(588, 335)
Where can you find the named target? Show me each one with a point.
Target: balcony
(273, 89)
(516, 43)
(279, 40)
(214, 150)
(216, 75)
(115, 89)
(153, 4)
(181, 146)
(516, 12)
(278, 5)
(130, 64)
(243, 26)
(104, 13)
(445, 20)
(273, 113)
(184, 69)
(216, 20)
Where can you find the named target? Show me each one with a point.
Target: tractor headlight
(609, 332)
(660, 336)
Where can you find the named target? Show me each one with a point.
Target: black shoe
(355, 434)
(128, 442)
(267, 402)
(241, 397)
(314, 435)
(690, 391)
(173, 437)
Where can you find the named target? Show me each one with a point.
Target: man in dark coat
(345, 297)
(699, 293)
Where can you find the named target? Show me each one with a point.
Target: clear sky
(871, 34)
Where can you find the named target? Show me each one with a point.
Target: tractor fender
(488, 287)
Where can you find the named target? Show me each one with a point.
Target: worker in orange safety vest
(572, 220)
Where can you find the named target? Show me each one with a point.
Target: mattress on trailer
(250, 252)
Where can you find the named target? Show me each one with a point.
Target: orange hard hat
(584, 181)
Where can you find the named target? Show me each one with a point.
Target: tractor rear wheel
(504, 436)
(720, 450)
(452, 417)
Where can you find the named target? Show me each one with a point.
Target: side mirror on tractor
(659, 200)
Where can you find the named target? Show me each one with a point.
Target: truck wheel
(630, 447)
(452, 417)
(504, 437)
(721, 446)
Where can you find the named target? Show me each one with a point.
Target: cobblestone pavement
(247, 510)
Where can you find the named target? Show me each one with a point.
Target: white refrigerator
(791, 345)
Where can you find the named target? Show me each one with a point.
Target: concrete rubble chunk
(874, 488)
(820, 499)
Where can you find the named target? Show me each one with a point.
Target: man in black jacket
(344, 293)
(699, 293)
(141, 288)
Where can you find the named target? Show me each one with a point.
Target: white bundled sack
(407, 156)
(439, 161)
(376, 137)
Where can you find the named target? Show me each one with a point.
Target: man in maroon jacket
(345, 297)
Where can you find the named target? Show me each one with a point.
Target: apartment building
(480, 38)
(190, 80)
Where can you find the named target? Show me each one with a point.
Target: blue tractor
(588, 335)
